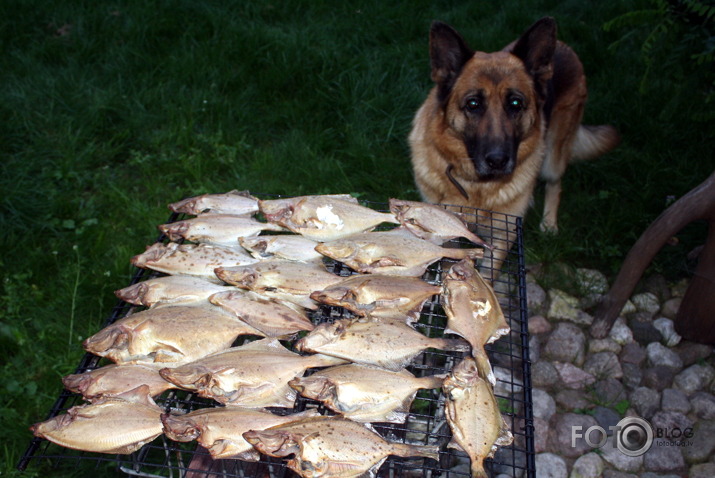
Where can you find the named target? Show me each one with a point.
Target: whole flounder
(253, 375)
(323, 218)
(281, 279)
(395, 252)
(332, 447)
(365, 394)
(379, 295)
(473, 312)
(170, 290)
(120, 424)
(220, 429)
(472, 411)
(240, 203)
(191, 259)
(177, 334)
(431, 222)
(387, 343)
(292, 247)
(216, 229)
(112, 380)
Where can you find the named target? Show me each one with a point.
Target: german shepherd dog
(494, 122)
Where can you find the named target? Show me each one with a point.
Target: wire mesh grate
(426, 423)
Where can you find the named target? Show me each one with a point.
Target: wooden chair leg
(695, 320)
(699, 203)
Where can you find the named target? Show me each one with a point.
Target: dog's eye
(473, 104)
(515, 104)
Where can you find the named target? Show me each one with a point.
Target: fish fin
(477, 469)
(388, 261)
(461, 254)
(432, 381)
(503, 330)
(408, 450)
(505, 437)
(453, 345)
(399, 414)
(168, 356)
(140, 394)
(323, 360)
(484, 367)
(227, 449)
(396, 416)
(454, 445)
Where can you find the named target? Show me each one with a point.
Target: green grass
(112, 110)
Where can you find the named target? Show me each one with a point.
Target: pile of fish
(255, 270)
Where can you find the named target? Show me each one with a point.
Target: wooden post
(696, 317)
(699, 203)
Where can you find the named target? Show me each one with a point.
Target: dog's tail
(593, 141)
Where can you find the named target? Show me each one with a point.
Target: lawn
(111, 110)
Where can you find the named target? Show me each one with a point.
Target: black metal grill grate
(426, 423)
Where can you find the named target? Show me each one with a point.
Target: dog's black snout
(497, 159)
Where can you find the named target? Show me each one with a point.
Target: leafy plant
(678, 38)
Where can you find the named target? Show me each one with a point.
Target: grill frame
(509, 355)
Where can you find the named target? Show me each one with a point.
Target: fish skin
(220, 429)
(323, 218)
(114, 379)
(282, 279)
(117, 425)
(170, 290)
(271, 318)
(363, 393)
(332, 447)
(254, 375)
(198, 260)
(473, 312)
(379, 295)
(283, 207)
(394, 252)
(292, 247)
(432, 222)
(472, 412)
(173, 333)
(216, 229)
(385, 343)
(239, 203)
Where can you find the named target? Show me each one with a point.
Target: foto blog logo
(632, 436)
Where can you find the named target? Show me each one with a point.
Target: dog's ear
(448, 54)
(536, 49)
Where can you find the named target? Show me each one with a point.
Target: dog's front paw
(548, 227)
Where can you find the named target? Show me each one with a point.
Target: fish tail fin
(407, 450)
(323, 360)
(461, 254)
(478, 240)
(477, 468)
(484, 367)
(453, 345)
(432, 381)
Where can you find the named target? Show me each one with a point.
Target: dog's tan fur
(496, 122)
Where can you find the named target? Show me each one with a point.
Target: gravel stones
(589, 465)
(694, 378)
(551, 465)
(659, 354)
(566, 344)
(643, 368)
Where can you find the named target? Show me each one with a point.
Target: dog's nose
(497, 159)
